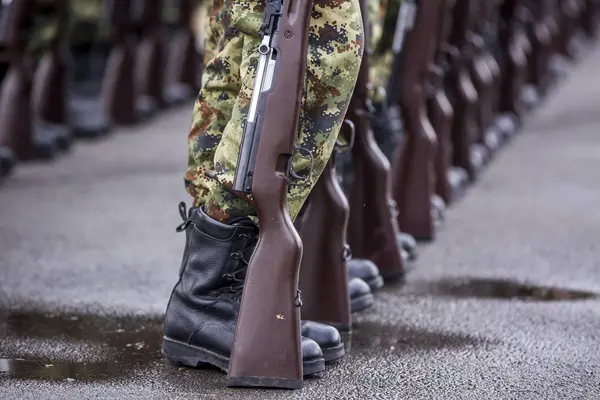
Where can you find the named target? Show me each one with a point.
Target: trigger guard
(308, 155)
(340, 147)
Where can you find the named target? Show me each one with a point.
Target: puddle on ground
(374, 338)
(127, 345)
(497, 289)
(75, 348)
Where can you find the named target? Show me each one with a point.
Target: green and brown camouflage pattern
(232, 39)
(85, 24)
(382, 57)
(44, 30)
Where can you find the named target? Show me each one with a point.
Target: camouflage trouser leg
(335, 50)
(376, 10)
(381, 61)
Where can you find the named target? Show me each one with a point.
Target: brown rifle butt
(590, 18)
(15, 113)
(441, 115)
(414, 189)
(50, 89)
(267, 345)
(540, 52)
(150, 52)
(464, 127)
(323, 271)
(118, 90)
(182, 65)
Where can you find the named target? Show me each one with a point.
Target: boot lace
(234, 281)
(187, 221)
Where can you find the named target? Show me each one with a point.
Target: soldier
(383, 21)
(222, 227)
(382, 15)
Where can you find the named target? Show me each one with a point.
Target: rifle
(413, 174)
(16, 128)
(184, 60)
(87, 114)
(591, 18)
(450, 181)
(568, 45)
(463, 95)
(266, 346)
(530, 94)
(484, 78)
(541, 46)
(50, 82)
(323, 271)
(559, 64)
(7, 156)
(118, 91)
(150, 62)
(373, 226)
(514, 42)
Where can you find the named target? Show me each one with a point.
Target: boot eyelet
(236, 256)
(244, 236)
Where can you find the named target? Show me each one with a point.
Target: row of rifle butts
(465, 74)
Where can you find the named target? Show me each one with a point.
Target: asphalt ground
(502, 306)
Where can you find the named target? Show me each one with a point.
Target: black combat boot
(327, 337)
(7, 161)
(361, 296)
(367, 271)
(410, 250)
(202, 312)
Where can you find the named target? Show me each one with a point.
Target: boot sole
(334, 353)
(397, 278)
(197, 357)
(362, 303)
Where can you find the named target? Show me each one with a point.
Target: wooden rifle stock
(591, 18)
(373, 226)
(516, 47)
(150, 62)
(50, 80)
(541, 47)
(570, 17)
(413, 177)
(492, 46)
(266, 346)
(323, 272)
(484, 80)
(463, 95)
(449, 181)
(16, 127)
(118, 86)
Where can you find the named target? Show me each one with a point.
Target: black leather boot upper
(361, 296)
(204, 305)
(325, 335)
(409, 245)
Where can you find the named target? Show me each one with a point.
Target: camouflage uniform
(383, 21)
(44, 29)
(85, 26)
(335, 51)
(85, 23)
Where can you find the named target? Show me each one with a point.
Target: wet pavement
(504, 305)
